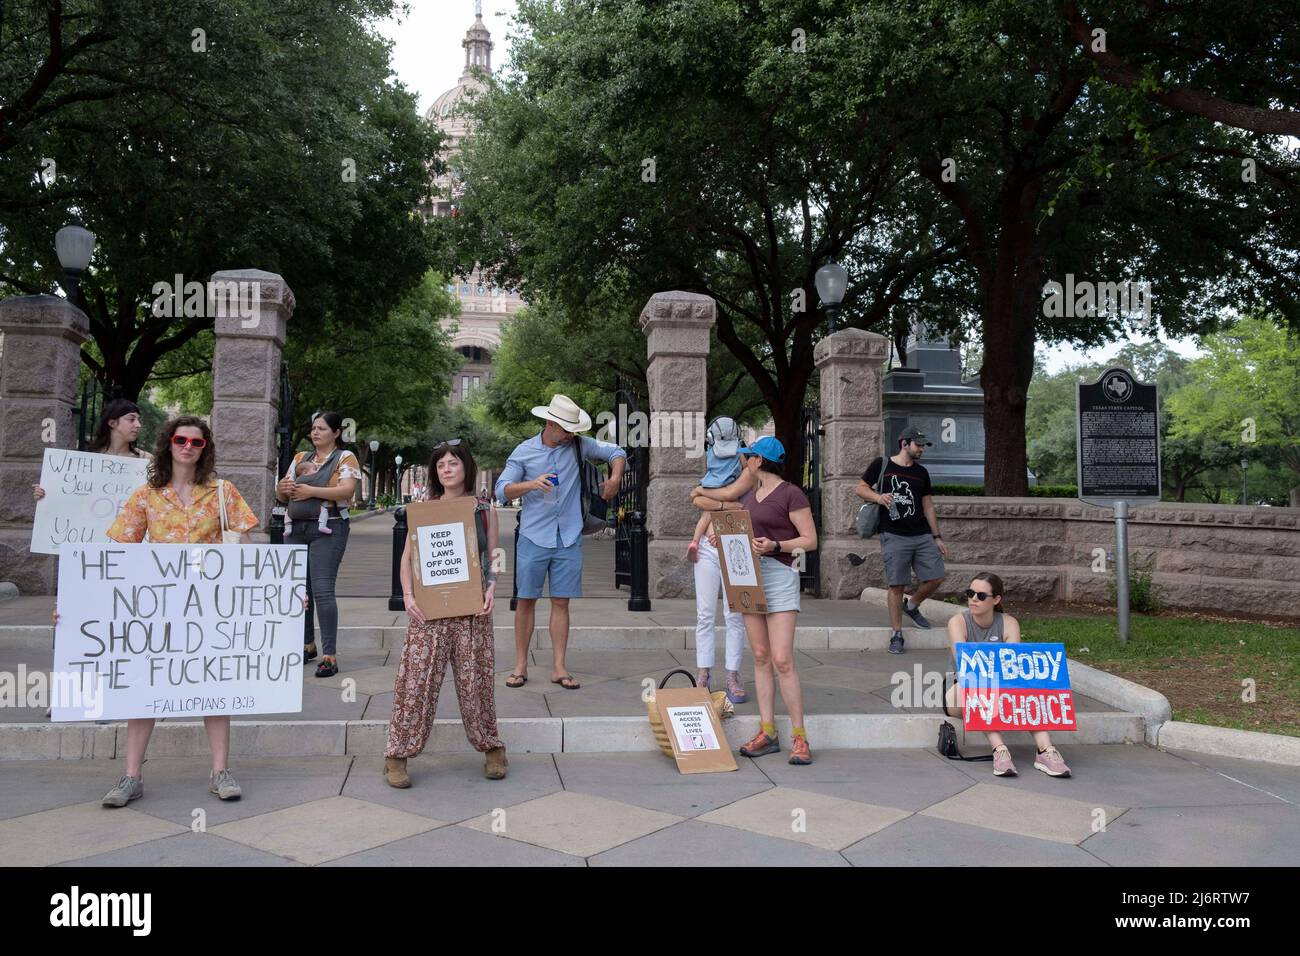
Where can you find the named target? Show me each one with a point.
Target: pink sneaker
(1002, 765)
(1051, 763)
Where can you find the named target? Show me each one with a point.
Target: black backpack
(595, 509)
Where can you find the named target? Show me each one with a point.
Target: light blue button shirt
(546, 514)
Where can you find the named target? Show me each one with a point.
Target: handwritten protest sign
(83, 494)
(178, 630)
(1015, 687)
(448, 578)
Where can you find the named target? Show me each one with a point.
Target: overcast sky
(428, 59)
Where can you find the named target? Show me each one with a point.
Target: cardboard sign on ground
(699, 745)
(446, 576)
(742, 578)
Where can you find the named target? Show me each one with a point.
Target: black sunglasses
(449, 443)
(979, 595)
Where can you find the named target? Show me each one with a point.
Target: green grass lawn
(1199, 665)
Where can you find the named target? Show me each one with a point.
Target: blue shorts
(533, 563)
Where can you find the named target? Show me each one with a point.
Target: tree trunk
(1008, 367)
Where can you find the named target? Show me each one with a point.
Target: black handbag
(868, 519)
(948, 734)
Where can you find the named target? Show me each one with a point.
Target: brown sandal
(516, 680)
(568, 682)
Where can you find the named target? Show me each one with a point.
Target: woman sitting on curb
(985, 622)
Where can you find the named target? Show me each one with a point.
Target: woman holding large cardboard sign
(465, 640)
(181, 504)
(783, 529)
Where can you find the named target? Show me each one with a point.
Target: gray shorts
(904, 554)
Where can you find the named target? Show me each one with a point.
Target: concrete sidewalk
(1125, 806)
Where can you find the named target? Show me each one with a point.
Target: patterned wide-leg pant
(467, 643)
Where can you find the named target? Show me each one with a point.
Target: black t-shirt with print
(908, 486)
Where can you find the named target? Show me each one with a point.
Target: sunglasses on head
(180, 441)
(978, 595)
(449, 443)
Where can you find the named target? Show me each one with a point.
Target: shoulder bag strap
(221, 504)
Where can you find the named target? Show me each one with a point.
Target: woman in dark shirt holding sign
(984, 622)
(783, 528)
(466, 641)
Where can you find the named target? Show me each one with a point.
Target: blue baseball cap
(770, 448)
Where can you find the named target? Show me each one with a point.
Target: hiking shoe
(1051, 763)
(800, 754)
(1002, 765)
(735, 688)
(760, 745)
(127, 789)
(224, 786)
(915, 614)
(896, 643)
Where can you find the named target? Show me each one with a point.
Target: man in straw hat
(543, 471)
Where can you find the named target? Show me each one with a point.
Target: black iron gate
(629, 518)
(810, 481)
(284, 455)
(89, 412)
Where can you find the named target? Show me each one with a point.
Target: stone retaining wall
(1230, 558)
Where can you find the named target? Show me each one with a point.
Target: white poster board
(83, 494)
(178, 630)
(441, 554)
(693, 727)
(739, 555)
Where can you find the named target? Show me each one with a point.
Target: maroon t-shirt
(770, 517)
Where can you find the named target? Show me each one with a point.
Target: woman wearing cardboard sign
(783, 527)
(465, 640)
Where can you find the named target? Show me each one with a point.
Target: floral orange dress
(160, 512)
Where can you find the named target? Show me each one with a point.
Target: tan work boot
(395, 772)
(494, 768)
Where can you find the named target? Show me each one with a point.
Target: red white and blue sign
(1015, 687)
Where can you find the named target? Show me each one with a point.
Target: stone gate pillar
(38, 392)
(676, 326)
(850, 364)
(252, 310)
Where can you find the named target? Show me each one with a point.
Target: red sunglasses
(180, 441)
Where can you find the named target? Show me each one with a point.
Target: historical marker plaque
(1118, 429)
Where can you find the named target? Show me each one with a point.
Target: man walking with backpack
(544, 471)
(909, 529)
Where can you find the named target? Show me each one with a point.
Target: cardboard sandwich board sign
(699, 745)
(1015, 687)
(742, 578)
(446, 576)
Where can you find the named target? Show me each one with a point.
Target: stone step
(307, 738)
(586, 637)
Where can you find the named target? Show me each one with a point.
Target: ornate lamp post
(832, 281)
(74, 245)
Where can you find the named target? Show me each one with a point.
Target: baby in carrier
(306, 468)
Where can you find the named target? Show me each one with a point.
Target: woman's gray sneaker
(224, 786)
(127, 789)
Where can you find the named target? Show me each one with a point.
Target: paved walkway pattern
(1125, 806)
